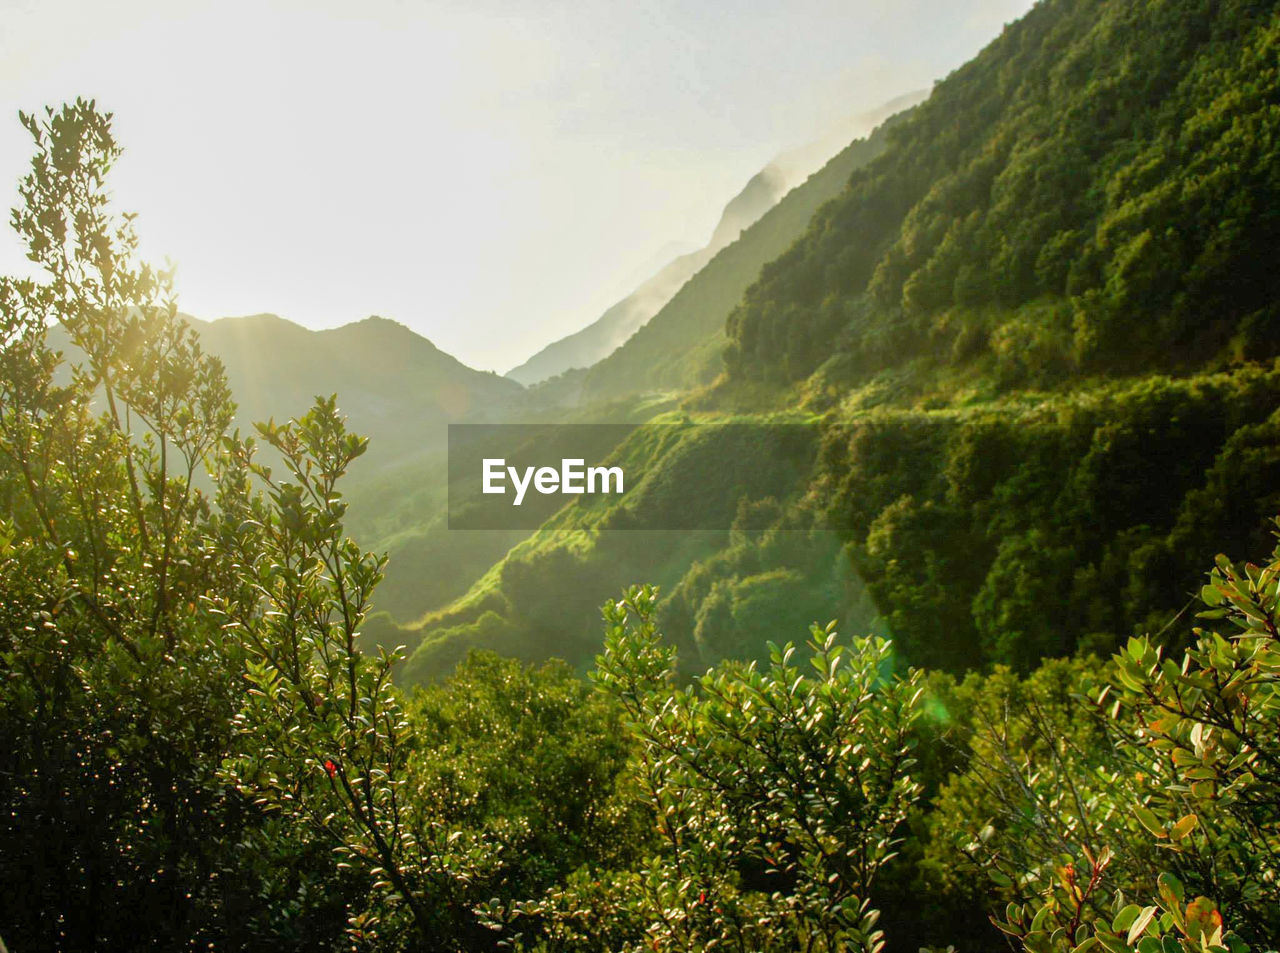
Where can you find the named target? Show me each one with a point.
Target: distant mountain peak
(597, 340)
(589, 346)
(760, 194)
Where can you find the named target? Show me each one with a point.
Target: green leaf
(1140, 924)
(1124, 919)
(1148, 820)
(1184, 827)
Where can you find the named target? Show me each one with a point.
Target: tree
(1173, 806)
(777, 794)
(195, 749)
(118, 686)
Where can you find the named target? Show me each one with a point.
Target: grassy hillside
(542, 597)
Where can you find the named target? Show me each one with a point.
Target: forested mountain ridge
(1097, 190)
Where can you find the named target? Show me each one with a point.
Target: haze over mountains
(764, 190)
(399, 389)
(583, 348)
(682, 345)
(395, 386)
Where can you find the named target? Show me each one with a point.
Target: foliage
(778, 793)
(195, 749)
(489, 790)
(1095, 190)
(1010, 532)
(201, 744)
(119, 688)
(1147, 788)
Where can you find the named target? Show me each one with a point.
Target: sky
(492, 173)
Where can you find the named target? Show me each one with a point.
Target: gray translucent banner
(663, 476)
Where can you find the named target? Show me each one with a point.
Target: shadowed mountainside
(396, 387)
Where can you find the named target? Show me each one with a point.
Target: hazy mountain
(759, 195)
(764, 190)
(798, 164)
(583, 348)
(681, 345)
(395, 386)
(1082, 197)
(595, 341)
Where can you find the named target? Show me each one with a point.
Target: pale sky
(492, 173)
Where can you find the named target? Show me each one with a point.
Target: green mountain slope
(1096, 191)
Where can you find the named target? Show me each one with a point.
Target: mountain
(1034, 332)
(798, 164)
(395, 386)
(1095, 193)
(584, 348)
(759, 195)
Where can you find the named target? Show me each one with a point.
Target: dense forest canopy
(1095, 190)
